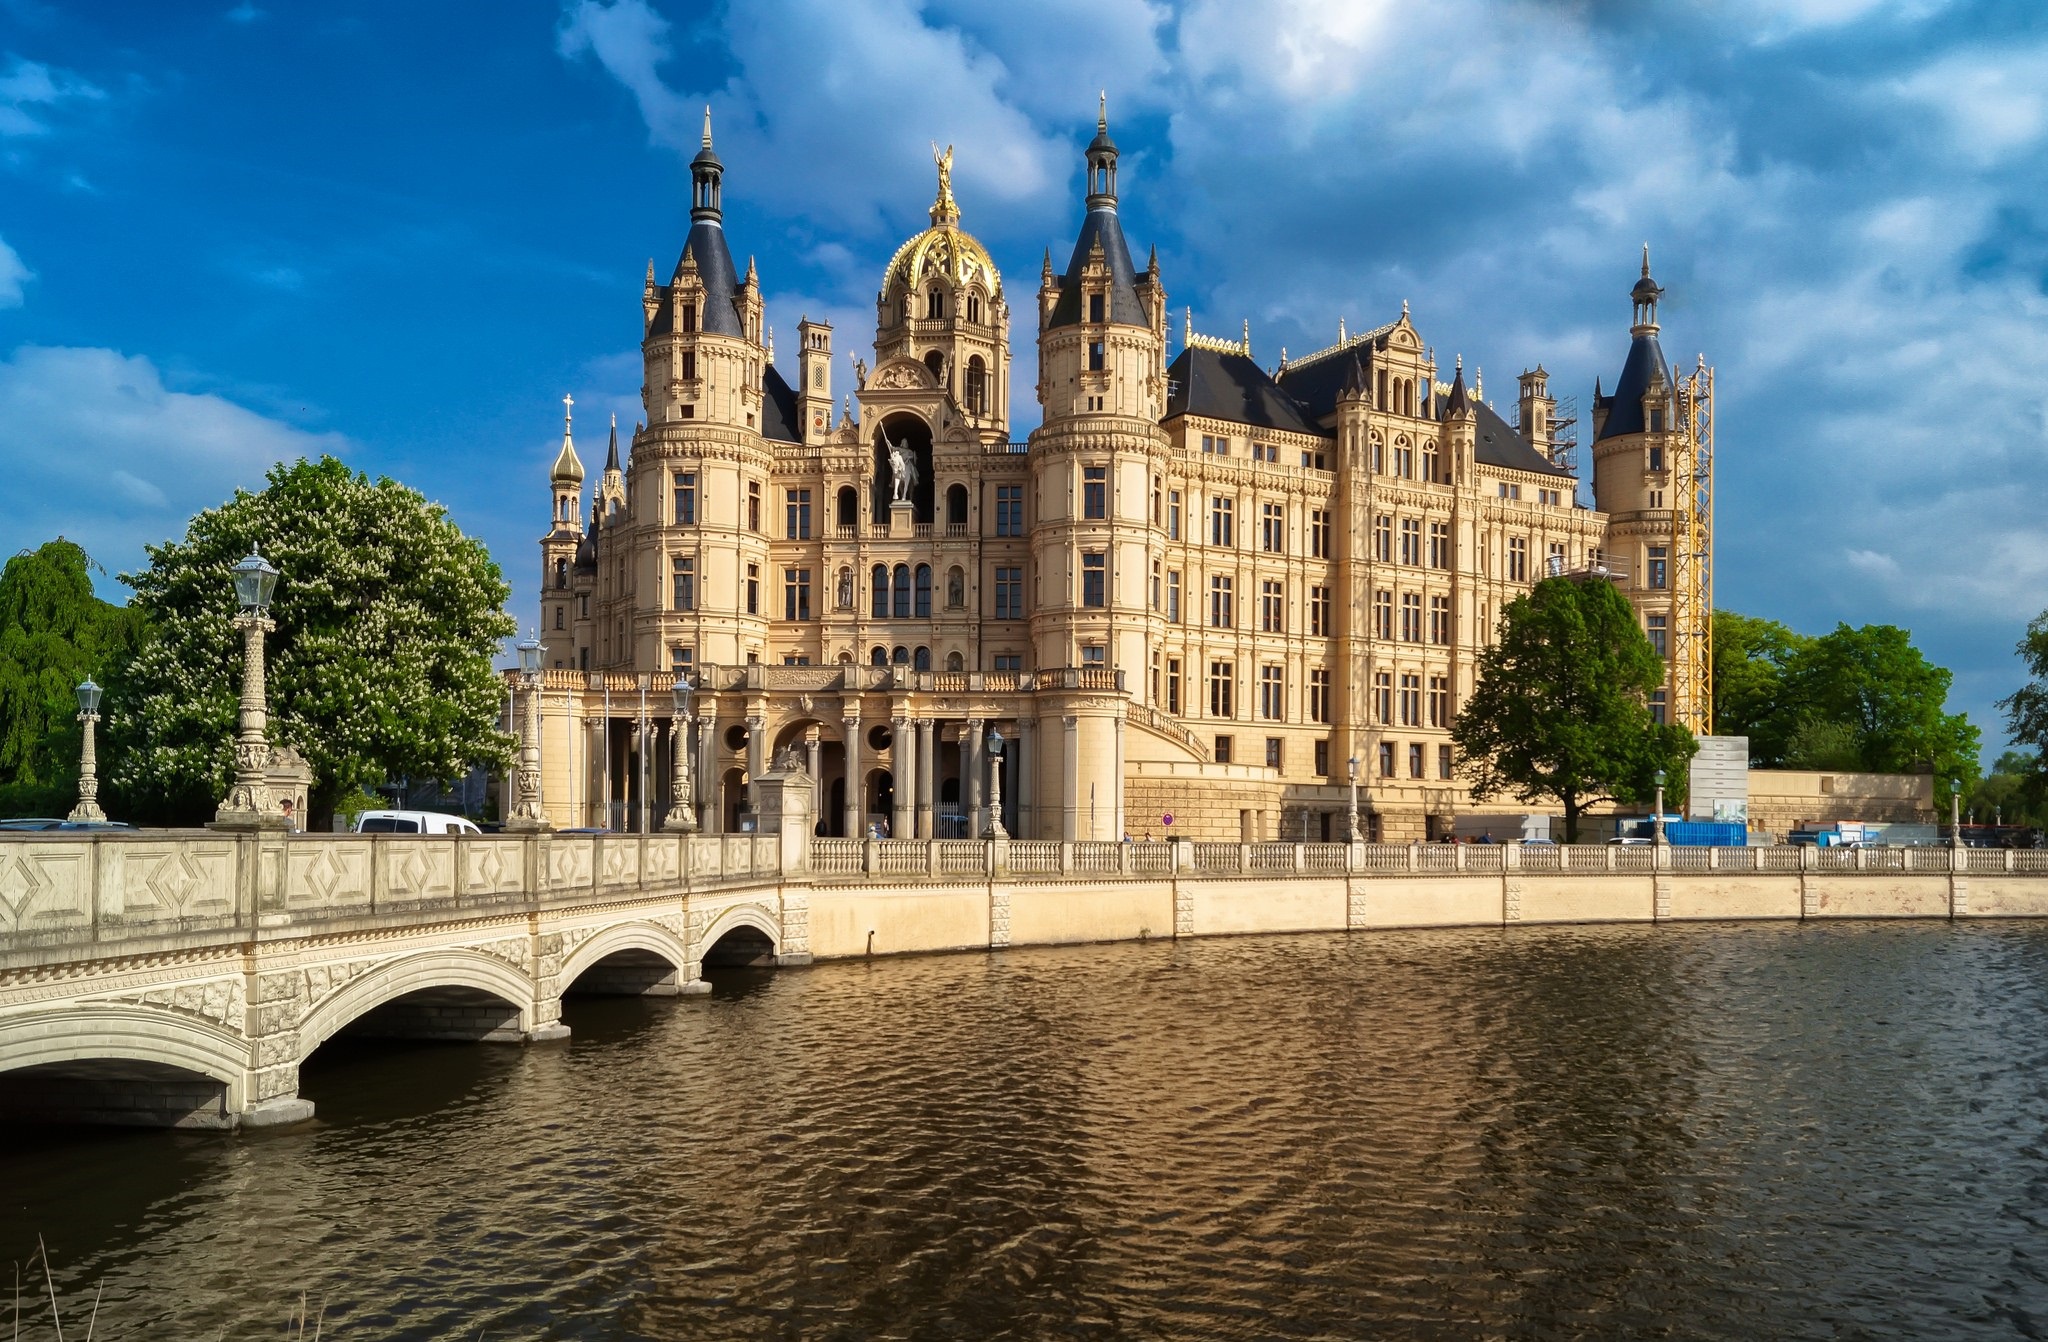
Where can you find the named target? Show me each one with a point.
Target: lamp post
(249, 804)
(1955, 812)
(526, 811)
(1351, 810)
(682, 813)
(995, 828)
(1657, 821)
(88, 807)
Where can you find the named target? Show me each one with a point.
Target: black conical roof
(1646, 365)
(1101, 226)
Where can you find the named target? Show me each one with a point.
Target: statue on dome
(944, 210)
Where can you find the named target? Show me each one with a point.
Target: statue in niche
(956, 590)
(846, 589)
(902, 470)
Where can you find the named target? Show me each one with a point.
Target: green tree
(2009, 794)
(1890, 699)
(388, 618)
(1561, 707)
(53, 634)
(1750, 656)
(2026, 713)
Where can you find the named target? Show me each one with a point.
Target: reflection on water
(1777, 1131)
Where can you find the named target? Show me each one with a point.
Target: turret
(814, 378)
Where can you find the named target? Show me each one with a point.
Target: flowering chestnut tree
(388, 618)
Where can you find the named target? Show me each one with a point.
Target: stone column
(970, 775)
(757, 746)
(710, 778)
(814, 751)
(852, 812)
(1021, 777)
(927, 778)
(1116, 783)
(1073, 801)
(903, 771)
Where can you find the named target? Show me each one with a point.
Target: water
(1709, 1132)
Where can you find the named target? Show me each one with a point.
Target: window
(1224, 745)
(1155, 585)
(558, 617)
(1552, 497)
(1273, 528)
(1383, 538)
(1553, 561)
(1156, 497)
(1656, 458)
(1377, 450)
(1443, 762)
(1273, 753)
(679, 659)
(795, 659)
(1313, 461)
(1266, 452)
(1383, 614)
(1221, 616)
(1383, 697)
(977, 371)
(878, 592)
(1319, 612)
(1660, 634)
(1094, 492)
(1511, 491)
(1215, 446)
(1440, 545)
(689, 317)
(1009, 594)
(1272, 607)
(1094, 567)
(921, 660)
(1429, 461)
(1411, 700)
(1009, 510)
(1222, 514)
(796, 594)
(1658, 708)
(1009, 661)
(1386, 759)
(1411, 541)
(1173, 685)
(1440, 620)
(753, 589)
(1093, 655)
(1222, 690)
(1097, 356)
(1415, 760)
(1272, 693)
(924, 591)
(1323, 758)
(956, 506)
(899, 592)
(1518, 559)
(683, 581)
(686, 498)
(561, 573)
(1095, 307)
(689, 366)
(798, 511)
(1172, 597)
(1404, 459)
(1319, 695)
(1173, 514)
(1659, 560)
(934, 305)
(1411, 617)
(1319, 533)
(1439, 701)
(753, 505)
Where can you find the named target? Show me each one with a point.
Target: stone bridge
(182, 978)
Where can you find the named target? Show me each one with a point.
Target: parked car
(48, 823)
(413, 822)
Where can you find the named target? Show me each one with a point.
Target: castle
(1200, 590)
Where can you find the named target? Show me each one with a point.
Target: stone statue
(945, 162)
(860, 372)
(846, 589)
(902, 470)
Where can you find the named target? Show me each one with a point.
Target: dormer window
(1657, 421)
(1095, 307)
(689, 317)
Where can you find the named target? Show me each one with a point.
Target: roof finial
(707, 125)
(1187, 330)
(1340, 331)
(1102, 113)
(1404, 307)
(1247, 337)
(568, 405)
(1461, 363)
(944, 209)
(1646, 260)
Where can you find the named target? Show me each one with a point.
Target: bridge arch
(449, 967)
(112, 1032)
(745, 934)
(652, 938)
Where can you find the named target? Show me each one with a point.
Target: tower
(814, 379)
(558, 549)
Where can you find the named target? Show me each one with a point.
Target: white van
(413, 822)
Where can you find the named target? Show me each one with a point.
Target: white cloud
(13, 275)
(1994, 100)
(28, 88)
(100, 450)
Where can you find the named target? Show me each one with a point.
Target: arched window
(974, 307)
(953, 662)
(878, 656)
(937, 363)
(956, 506)
(935, 304)
(878, 587)
(977, 386)
(901, 656)
(901, 587)
(561, 573)
(558, 617)
(956, 588)
(849, 507)
(845, 658)
(922, 661)
(924, 591)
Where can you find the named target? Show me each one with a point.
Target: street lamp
(249, 804)
(526, 812)
(1955, 812)
(1351, 812)
(88, 807)
(995, 828)
(1657, 821)
(682, 813)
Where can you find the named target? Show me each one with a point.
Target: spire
(753, 279)
(707, 125)
(1644, 299)
(1152, 263)
(1455, 405)
(705, 172)
(1102, 112)
(1045, 276)
(1102, 162)
(650, 272)
(945, 211)
(568, 466)
(611, 456)
(1355, 380)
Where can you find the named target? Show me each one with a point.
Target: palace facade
(1200, 589)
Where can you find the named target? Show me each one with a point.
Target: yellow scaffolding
(1692, 538)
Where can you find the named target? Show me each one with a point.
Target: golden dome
(945, 250)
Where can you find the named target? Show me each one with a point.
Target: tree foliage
(1750, 657)
(54, 633)
(2026, 715)
(388, 618)
(1561, 708)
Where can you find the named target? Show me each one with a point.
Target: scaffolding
(1692, 537)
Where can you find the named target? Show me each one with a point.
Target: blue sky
(400, 233)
